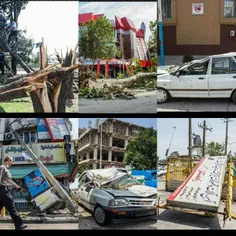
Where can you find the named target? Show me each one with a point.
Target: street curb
(7, 219)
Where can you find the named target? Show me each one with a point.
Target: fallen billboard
(202, 189)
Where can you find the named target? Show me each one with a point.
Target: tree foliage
(26, 46)
(215, 149)
(152, 42)
(141, 152)
(96, 40)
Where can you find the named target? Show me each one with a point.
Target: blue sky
(138, 12)
(146, 122)
(180, 137)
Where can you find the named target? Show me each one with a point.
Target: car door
(83, 182)
(192, 81)
(222, 79)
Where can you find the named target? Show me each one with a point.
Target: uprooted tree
(50, 87)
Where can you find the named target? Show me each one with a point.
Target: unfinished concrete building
(114, 135)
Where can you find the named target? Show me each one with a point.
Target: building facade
(46, 138)
(204, 28)
(115, 135)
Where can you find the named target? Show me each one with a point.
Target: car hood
(165, 76)
(142, 191)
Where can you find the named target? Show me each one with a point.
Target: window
(199, 68)
(29, 136)
(166, 7)
(220, 66)
(230, 9)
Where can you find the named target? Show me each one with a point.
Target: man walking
(2, 62)
(6, 199)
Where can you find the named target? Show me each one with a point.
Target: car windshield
(124, 182)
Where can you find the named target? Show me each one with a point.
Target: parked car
(211, 77)
(112, 195)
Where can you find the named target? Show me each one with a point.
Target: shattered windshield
(124, 182)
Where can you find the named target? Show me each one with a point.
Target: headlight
(118, 202)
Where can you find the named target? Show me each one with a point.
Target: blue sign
(42, 129)
(36, 182)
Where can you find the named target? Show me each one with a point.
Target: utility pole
(161, 40)
(226, 120)
(58, 188)
(170, 141)
(190, 137)
(204, 127)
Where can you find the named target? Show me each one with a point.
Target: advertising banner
(42, 129)
(47, 152)
(56, 128)
(36, 182)
(202, 189)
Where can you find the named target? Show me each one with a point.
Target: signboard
(56, 128)
(46, 152)
(42, 129)
(197, 8)
(23, 122)
(202, 189)
(36, 182)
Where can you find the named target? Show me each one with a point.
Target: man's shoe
(22, 227)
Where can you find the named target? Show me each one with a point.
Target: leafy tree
(215, 149)
(152, 42)
(141, 152)
(96, 40)
(26, 46)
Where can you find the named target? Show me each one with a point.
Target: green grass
(17, 105)
(25, 105)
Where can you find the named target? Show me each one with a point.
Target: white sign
(197, 8)
(202, 189)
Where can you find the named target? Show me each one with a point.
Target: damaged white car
(113, 195)
(211, 77)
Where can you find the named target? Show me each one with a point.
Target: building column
(110, 155)
(111, 127)
(110, 141)
(126, 142)
(87, 155)
(115, 157)
(127, 131)
(95, 154)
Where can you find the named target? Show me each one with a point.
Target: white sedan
(211, 77)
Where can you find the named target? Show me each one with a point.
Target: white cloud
(138, 12)
(55, 21)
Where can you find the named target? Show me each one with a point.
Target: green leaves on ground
(141, 152)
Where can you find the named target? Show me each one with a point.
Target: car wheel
(233, 96)
(162, 95)
(101, 216)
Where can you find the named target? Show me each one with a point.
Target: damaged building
(108, 140)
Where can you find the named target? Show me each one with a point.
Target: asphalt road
(144, 103)
(42, 226)
(197, 105)
(89, 223)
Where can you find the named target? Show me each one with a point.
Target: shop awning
(18, 172)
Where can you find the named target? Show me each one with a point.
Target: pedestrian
(2, 62)
(6, 187)
(11, 27)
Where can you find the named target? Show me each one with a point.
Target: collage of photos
(128, 80)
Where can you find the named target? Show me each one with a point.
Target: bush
(187, 58)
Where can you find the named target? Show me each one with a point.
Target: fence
(178, 169)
